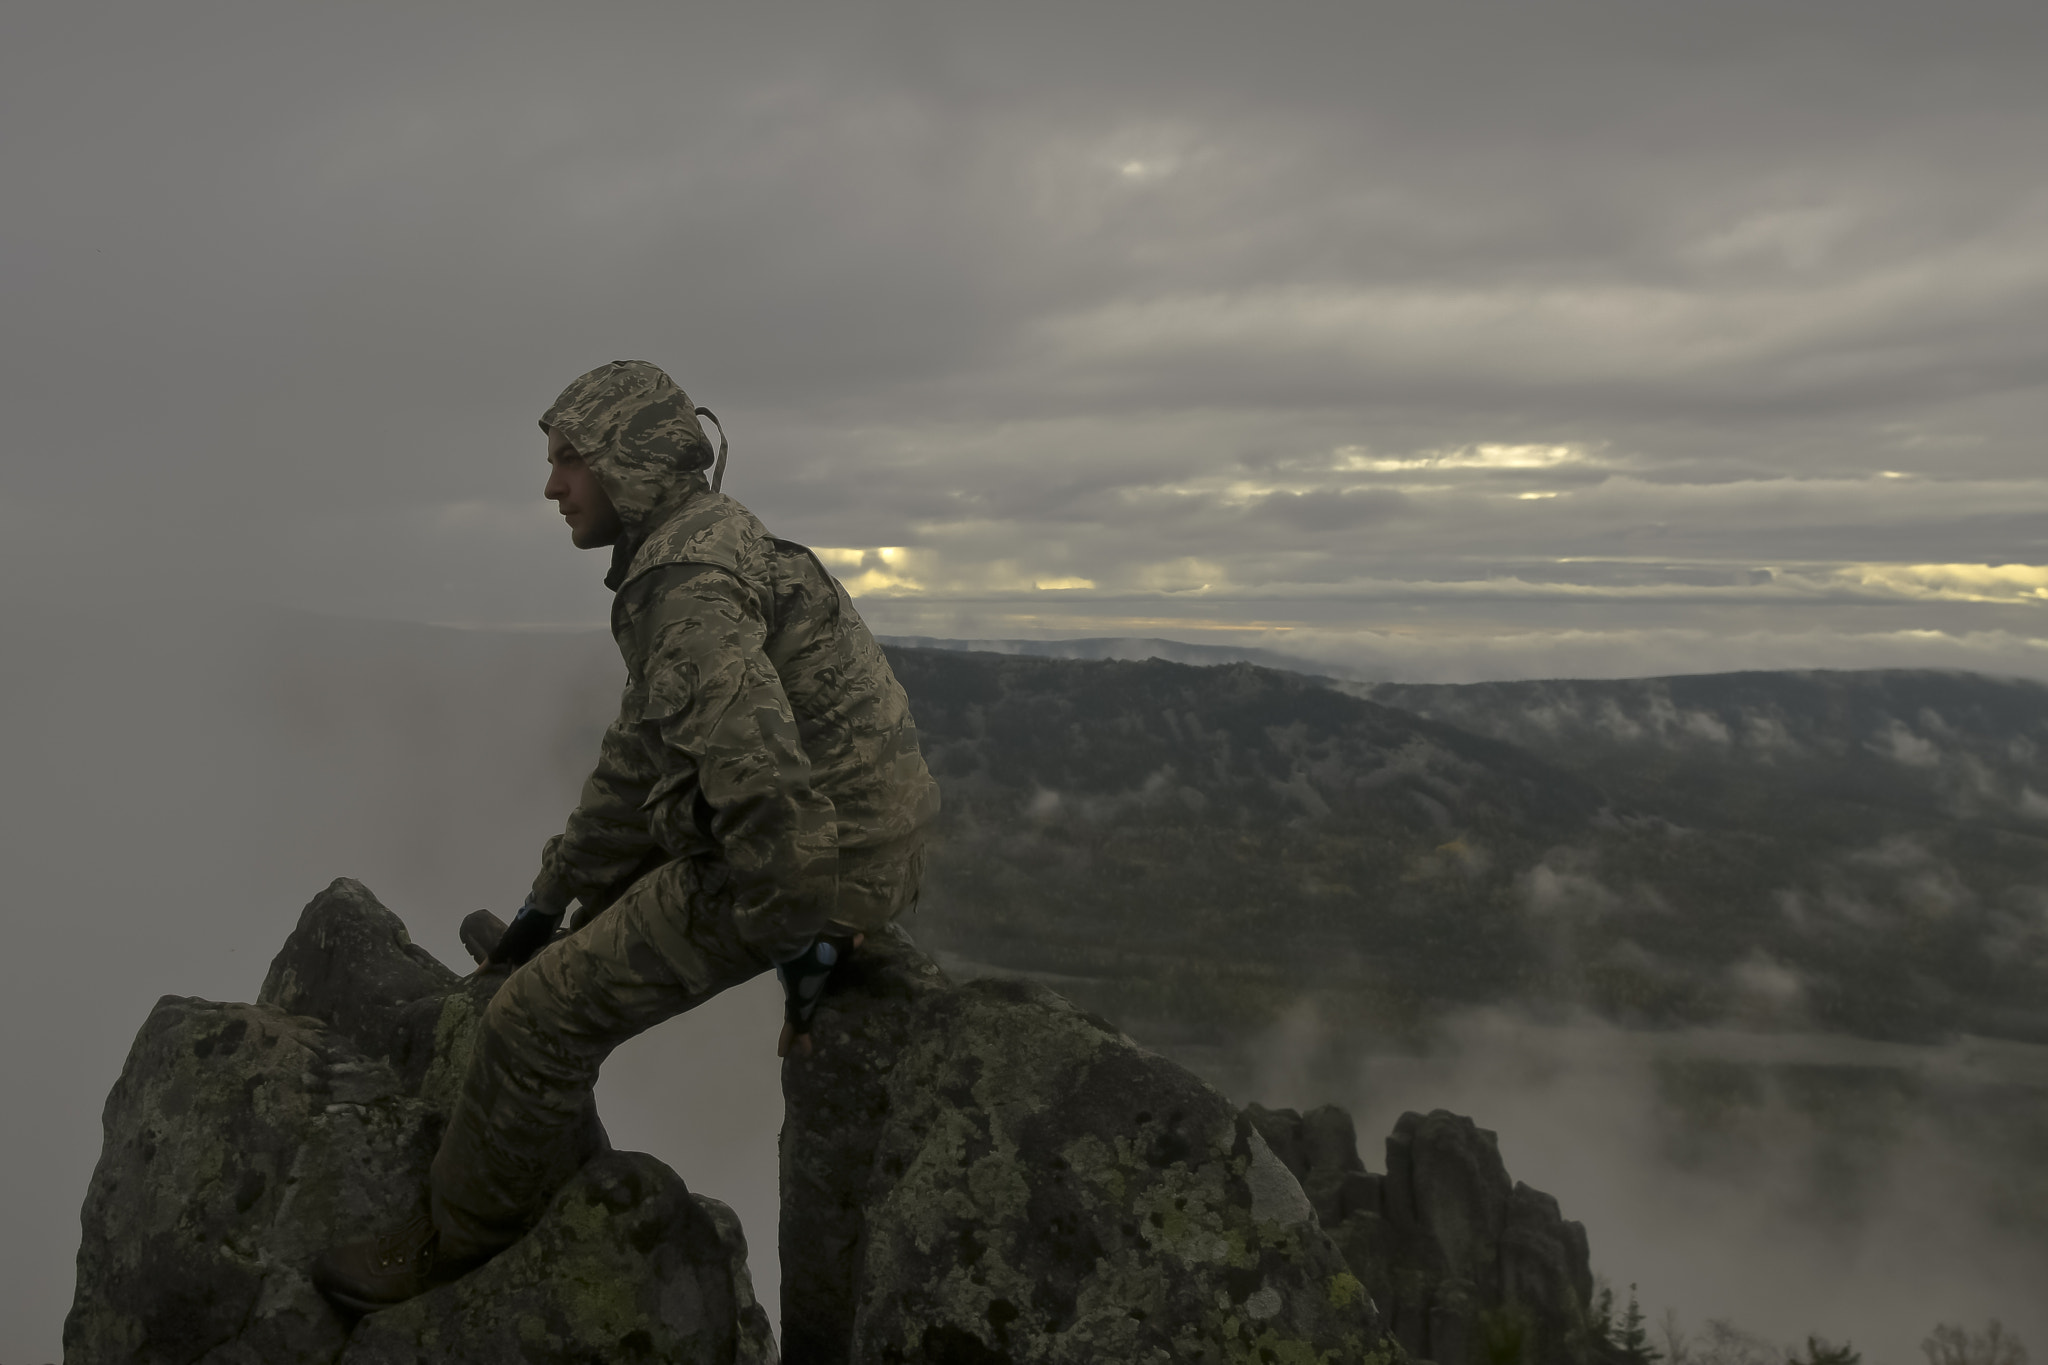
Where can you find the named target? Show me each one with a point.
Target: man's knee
(530, 1036)
(511, 1017)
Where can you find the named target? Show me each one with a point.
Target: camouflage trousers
(666, 946)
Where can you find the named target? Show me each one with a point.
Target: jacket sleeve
(609, 833)
(720, 728)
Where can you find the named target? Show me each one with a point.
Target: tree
(1677, 1346)
(1629, 1335)
(1820, 1351)
(1949, 1344)
(1633, 1337)
(1723, 1343)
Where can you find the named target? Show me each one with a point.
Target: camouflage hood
(640, 434)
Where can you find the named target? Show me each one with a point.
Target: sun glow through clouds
(1989, 583)
(1488, 456)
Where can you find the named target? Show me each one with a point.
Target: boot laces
(414, 1241)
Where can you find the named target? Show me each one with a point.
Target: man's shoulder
(710, 529)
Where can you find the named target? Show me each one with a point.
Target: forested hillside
(1865, 853)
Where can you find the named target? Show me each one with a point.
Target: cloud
(1765, 989)
(884, 570)
(1582, 339)
(1055, 323)
(1329, 509)
(1728, 1174)
(2002, 583)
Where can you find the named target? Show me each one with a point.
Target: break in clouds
(1445, 341)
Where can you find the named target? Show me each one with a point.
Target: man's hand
(803, 980)
(528, 933)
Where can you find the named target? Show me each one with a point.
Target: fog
(180, 787)
(1437, 342)
(1918, 1207)
(181, 782)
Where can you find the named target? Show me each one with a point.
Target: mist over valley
(1745, 969)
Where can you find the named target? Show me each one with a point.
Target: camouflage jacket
(760, 722)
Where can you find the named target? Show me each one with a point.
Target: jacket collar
(628, 544)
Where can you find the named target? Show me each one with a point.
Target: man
(759, 802)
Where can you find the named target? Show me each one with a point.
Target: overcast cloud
(1445, 341)
(1440, 331)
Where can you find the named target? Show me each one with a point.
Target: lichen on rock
(1040, 1188)
(981, 1174)
(241, 1139)
(1468, 1265)
(626, 1262)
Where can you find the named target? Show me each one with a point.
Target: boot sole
(355, 1305)
(443, 1275)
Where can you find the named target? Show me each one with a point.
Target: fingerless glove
(526, 935)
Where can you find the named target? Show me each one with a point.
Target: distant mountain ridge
(1859, 852)
(1131, 648)
(1956, 745)
(1159, 823)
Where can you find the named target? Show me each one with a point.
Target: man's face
(574, 488)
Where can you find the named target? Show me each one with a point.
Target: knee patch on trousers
(510, 1014)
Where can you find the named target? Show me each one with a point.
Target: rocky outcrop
(1468, 1266)
(972, 1174)
(626, 1266)
(240, 1139)
(985, 1174)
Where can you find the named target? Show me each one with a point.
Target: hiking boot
(376, 1272)
(480, 933)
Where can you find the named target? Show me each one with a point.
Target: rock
(1036, 1187)
(1321, 1150)
(350, 964)
(1468, 1265)
(238, 1140)
(1546, 1272)
(241, 1139)
(976, 1173)
(627, 1266)
(836, 1107)
(1447, 1195)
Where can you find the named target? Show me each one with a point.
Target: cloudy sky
(1442, 340)
(1450, 340)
